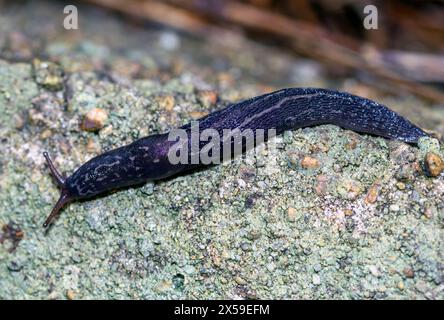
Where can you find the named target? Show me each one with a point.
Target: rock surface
(361, 220)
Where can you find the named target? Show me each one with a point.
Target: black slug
(287, 109)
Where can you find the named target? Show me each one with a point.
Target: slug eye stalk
(64, 196)
(55, 173)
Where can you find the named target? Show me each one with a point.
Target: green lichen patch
(17, 87)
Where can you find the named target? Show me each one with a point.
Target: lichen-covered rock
(361, 220)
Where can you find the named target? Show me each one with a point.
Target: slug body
(287, 109)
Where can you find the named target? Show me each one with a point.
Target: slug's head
(64, 195)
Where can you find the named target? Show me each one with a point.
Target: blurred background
(266, 44)
(405, 50)
(403, 46)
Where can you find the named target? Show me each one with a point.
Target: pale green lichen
(427, 144)
(15, 100)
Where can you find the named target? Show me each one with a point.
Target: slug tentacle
(64, 196)
(64, 199)
(55, 173)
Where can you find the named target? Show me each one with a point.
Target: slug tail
(64, 196)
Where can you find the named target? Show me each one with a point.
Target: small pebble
(245, 246)
(374, 270)
(46, 134)
(70, 294)
(400, 185)
(271, 267)
(316, 280)
(291, 214)
(94, 120)
(428, 212)
(433, 164)
(372, 194)
(19, 123)
(241, 183)
(408, 272)
(309, 163)
(48, 74)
